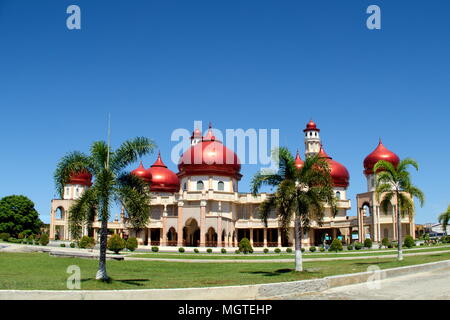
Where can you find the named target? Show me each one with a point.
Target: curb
(246, 292)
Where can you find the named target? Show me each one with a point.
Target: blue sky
(160, 65)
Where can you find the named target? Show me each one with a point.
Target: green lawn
(41, 271)
(219, 256)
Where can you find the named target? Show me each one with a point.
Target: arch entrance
(191, 233)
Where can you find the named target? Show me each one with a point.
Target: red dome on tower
(380, 153)
(298, 161)
(83, 178)
(163, 179)
(311, 126)
(141, 172)
(339, 172)
(209, 157)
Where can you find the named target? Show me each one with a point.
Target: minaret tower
(312, 139)
(196, 137)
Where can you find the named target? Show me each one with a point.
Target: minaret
(312, 139)
(196, 137)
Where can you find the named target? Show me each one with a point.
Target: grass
(254, 256)
(39, 271)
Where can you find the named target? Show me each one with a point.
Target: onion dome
(311, 126)
(141, 172)
(298, 161)
(380, 153)
(209, 157)
(163, 179)
(338, 172)
(83, 178)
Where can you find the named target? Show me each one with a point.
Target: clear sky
(160, 65)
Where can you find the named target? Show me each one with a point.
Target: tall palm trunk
(101, 273)
(399, 230)
(298, 232)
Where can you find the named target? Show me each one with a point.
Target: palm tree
(444, 219)
(111, 184)
(395, 183)
(301, 194)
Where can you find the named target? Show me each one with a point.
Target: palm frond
(71, 163)
(130, 151)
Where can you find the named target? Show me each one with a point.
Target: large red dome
(141, 172)
(339, 173)
(83, 178)
(380, 153)
(209, 157)
(163, 179)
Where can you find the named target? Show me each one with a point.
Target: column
(333, 233)
(149, 237)
(251, 237)
(52, 225)
(279, 237)
(180, 225)
(265, 237)
(163, 234)
(161, 239)
(202, 223)
(219, 230)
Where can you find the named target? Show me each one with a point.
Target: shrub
(181, 250)
(223, 250)
(20, 236)
(209, 250)
(312, 249)
(131, 244)
(385, 242)
(289, 250)
(44, 239)
(277, 250)
(155, 249)
(409, 242)
(358, 245)
(302, 249)
(245, 246)
(4, 236)
(349, 247)
(196, 250)
(62, 245)
(266, 250)
(86, 242)
(72, 244)
(368, 243)
(237, 251)
(322, 249)
(116, 243)
(336, 245)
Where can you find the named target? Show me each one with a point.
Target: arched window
(338, 195)
(59, 213)
(220, 186)
(200, 185)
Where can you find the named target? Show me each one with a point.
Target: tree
(111, 183)
(336, 245)
(394, 184)
(300, 195)
(245, 246)
(18, 215)
(444, 219)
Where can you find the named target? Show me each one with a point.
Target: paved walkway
(432, 285)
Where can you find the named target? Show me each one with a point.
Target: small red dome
(298, 161)
(162, 178)
(339, 173)
(209, 157)
(380, 153)
(141, 172)
(311, 126)
(83, 178)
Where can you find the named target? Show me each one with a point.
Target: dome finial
(210, 125)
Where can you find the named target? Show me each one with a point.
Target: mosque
(201, 206)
